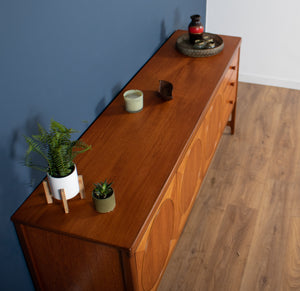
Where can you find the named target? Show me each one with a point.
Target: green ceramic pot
(105, 205)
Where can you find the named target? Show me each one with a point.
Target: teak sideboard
(156, 158)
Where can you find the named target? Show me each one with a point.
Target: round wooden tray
(185, 47)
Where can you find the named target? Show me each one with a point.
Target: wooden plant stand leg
(231, 123)
(49, 197)
(81, 187)
(64, 200)
(47, 193)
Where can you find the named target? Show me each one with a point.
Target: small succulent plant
(102, 190)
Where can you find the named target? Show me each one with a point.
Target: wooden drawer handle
(230, 102)
(232, 67)
(232, 84)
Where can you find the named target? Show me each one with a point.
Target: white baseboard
(263, 80)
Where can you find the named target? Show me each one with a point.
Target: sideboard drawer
(227, 90)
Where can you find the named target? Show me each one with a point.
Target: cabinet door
(212, 128)
(190, 174)
(164, 230)
(154, 250)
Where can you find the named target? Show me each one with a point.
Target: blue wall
(66, 60)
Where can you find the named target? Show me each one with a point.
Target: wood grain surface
(243, 233)
(138, 152)
(157, 159)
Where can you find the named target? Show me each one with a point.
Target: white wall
(270, 31)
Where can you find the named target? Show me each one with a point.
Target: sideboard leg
(231, 123)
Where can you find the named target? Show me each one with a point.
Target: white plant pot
(69, 183)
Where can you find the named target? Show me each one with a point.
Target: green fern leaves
(56, 148)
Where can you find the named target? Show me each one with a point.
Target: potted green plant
(58, 150)
(104, 197)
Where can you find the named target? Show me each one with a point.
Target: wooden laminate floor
(244, 230)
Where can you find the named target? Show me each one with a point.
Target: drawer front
(227, 91)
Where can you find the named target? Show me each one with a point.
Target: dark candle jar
(196, 29)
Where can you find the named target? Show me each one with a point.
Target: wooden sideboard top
(138, 152)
